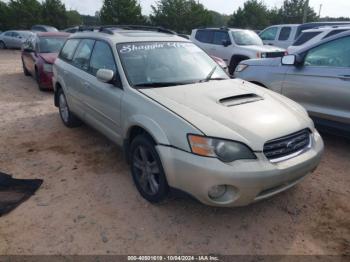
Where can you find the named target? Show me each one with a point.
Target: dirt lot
(88, 203)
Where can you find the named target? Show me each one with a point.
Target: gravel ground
(89, 205)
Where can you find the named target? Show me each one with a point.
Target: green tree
(253, 15)
(292, 12)
(180, 15)
(218, 20)
(24, 13)
(73, 18)
(121, 12)
(54, 13)
(4, 16)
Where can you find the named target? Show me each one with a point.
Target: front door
(322, 84)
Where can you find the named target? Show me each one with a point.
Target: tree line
(178, 15)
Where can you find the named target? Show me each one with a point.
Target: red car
(39, 52)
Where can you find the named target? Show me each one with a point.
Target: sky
(333, 8)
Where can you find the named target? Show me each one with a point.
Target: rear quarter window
(205, 36)
(68, 49)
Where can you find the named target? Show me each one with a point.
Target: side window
(82, 55)
(204, 36)
(285, 33)
(331, 54)
(304, 37)
(102, 58)
(219, 37)
(9, 34)
(69, 49)
(269, 34)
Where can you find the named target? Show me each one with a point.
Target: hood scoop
(240, 99)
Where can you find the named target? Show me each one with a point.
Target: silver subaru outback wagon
(182, 122)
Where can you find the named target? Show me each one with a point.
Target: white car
(286, 34)
(313, 36)
(233, 45)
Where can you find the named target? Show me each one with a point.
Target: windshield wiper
(208, 78)
(160, 84)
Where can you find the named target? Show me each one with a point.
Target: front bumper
(247, 181)
(46, 80)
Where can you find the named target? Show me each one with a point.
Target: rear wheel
(2, 45)
(68, 118)
(25, 71)
(147, 170)
(37, 78)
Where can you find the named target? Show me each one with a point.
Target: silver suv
(233, 45)
(182, 122)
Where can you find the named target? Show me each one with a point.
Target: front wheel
(2, 45)
(68, 118)
(147, 170)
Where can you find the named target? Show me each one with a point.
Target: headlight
(241, 67)
(226, 151)
(48, 68)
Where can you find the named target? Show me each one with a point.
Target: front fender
(148, 124)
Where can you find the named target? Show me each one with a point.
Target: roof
(327, 28)
(125, 36)
(63, 34)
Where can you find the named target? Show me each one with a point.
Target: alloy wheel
(64, 111)
(146, 169)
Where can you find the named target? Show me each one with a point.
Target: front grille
(281, 148)
(274, 54)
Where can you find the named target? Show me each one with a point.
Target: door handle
(86, 85)
(344, 77)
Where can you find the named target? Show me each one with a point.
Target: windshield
(246, 37)
(51, 44)
(167, 63)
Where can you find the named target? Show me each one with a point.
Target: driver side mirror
(105, 75)
(288, 60)
(226, 43)
(295, 60)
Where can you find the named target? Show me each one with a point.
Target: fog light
(217, 191)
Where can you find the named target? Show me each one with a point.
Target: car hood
(263, 62)
(233, 109)
(49, 57)
(264, 48)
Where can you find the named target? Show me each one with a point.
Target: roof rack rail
(83, 28)
(109, 28)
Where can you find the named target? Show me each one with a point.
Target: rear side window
(82, 55)
(68, 49)
(204, 36)
(334, 32)
(219, 37)
(285, 33)
(102, 58)
(304, 37)
(8, 34)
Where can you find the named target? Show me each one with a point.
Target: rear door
(284, 38)
(79, 74)
(8, 39)
(103, 100)
(66, 75)
(322, 84)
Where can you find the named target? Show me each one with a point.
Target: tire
(2, 45)
(147, 170)
(67, 117)
(37, 78)
(25, 70)
(233, 64)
